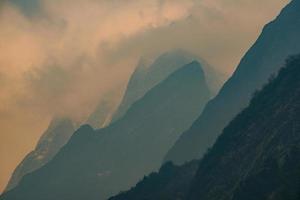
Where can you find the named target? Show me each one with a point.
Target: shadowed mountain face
(278, 40)
(56, 135)
(98, 164)
(257, 157)
(146, 76)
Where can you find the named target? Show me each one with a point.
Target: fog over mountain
(61, 57)
(96, 164)
(147, 75)
(55, 137)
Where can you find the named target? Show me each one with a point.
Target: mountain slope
(57, 134)
(98, 164)
(257, 157)
(146, 76)
(278, 40)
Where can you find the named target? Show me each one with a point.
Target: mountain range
(243, 144)
(257, 157)
(96, 164)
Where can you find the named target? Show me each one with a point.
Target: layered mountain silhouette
(146, 76)
(278, 40)
(257, 157)
(98, 164)
(57, 134)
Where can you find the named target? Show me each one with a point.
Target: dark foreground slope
(256, 158)
(97, 164)
(57, 134)
(170, 183)
(258, 155)
(278, 40)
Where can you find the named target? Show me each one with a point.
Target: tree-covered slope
(258, 155)
(171, 182)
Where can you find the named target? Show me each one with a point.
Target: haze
(60, 57)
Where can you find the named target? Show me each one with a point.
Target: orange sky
(63, 57)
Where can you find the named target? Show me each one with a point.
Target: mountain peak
(145, 78)
(84, 131)
(193, 66)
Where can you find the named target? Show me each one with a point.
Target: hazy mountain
(103, 112)
(57, 134)
(101, 116)
(136, 89)
(278, 40)
(97, 164)
(257, 157)
(146, 76)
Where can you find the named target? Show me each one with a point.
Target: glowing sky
(60, 57)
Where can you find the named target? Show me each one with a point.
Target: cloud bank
(60, 57)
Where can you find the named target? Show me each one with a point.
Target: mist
(61, 57)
